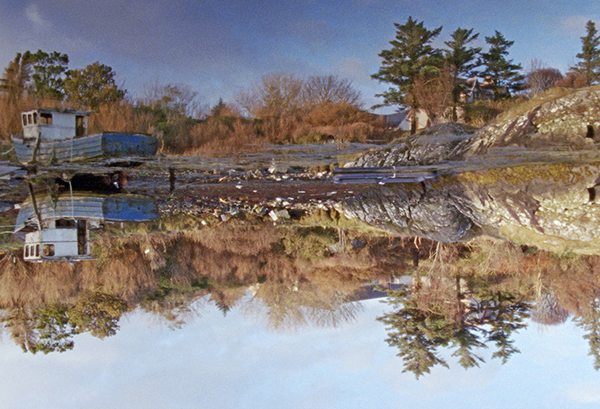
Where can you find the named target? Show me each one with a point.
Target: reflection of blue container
(94, 208)
(129, 208)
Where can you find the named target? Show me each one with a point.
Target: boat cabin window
(46, 118)
(48, 250)
(30, 119)
(80, 125)
(65, 223)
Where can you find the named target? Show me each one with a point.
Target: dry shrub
(126, 273)
(214, 137)
(239, 239)
(572, 80)
(24, 283)
(120, 117)
(335, 114)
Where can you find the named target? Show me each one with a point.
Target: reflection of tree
(589, 321)
(507, 316)
(97, 313)
(44, 329)
(416, 333)
(291, 305)
(547, 310)
(50, 328)
(418, 330)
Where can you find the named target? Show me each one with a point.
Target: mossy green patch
(560, 172)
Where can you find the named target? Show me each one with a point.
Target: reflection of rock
(416, 210)
(553, 207)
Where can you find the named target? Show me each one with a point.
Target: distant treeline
(459, 82)
(281, 108)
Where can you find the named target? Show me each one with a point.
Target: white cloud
(34, 16)
(585, 393)
(576, 24)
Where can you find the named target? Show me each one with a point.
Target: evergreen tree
(93, 86)
(411, 55)
(48, 74)
(462, 60)
(504, 73)
(589, 66)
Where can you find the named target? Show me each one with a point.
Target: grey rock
(432, 145)
(554, 207)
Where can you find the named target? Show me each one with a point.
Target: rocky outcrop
(430, 146)
(562, 119)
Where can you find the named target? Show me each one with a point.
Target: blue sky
(219, 48)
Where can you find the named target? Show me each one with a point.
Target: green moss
(548, 96)
(311, 243)
(520, 174)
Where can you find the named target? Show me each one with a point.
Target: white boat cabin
(64, 239)
(54, 124)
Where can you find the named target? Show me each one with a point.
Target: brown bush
(120, 117)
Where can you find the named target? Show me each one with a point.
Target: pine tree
(505, 75)
(48, 73)
(411, 55)
(589, 66)
(92, 86)
(462, 60)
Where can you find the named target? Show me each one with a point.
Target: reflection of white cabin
(61, 240)
(60, 228)
(54, 124)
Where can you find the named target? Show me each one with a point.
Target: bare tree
(330, 89)
(277, 95)
(179, 99)
(540, 78)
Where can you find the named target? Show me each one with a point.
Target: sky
(236, 361)
(218, 48)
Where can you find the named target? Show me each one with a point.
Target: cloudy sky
(220, 47)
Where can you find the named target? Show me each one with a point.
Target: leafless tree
(541, 78)
(275, 96)
(330, 89)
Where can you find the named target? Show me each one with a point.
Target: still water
(235, 360)
(473, 289)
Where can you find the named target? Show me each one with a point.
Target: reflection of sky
(233, 362)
